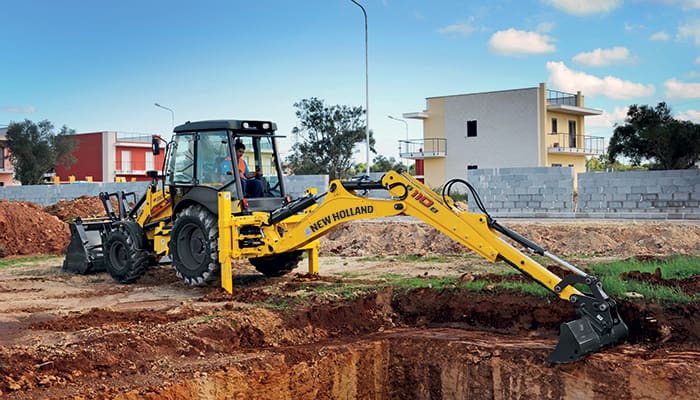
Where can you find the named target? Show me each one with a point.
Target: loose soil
(302, 336)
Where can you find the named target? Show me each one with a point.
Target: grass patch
(680, 267)
(13, 262)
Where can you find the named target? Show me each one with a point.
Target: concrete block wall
(45, 195)
(531, 192)
(296, 185)
(673, 194)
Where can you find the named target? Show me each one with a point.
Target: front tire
(125, 254)
(194, 246)
(277, 264)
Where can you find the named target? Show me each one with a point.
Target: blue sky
(101, 65)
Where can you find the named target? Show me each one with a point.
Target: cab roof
(238, 126)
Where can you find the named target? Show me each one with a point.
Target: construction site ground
(348, 333)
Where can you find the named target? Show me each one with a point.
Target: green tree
(601, 163)
(653, 134)
(326, 138)
(36, 149)
(383, 164)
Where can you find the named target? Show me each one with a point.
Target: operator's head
(240, 148)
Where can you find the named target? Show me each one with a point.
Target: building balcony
(567, 103)
(564, 143)
(417, 149)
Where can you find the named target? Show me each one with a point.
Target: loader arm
(599, 323)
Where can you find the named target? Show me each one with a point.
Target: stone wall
(544, 192)
(50, 194)
(640, 194)
(524, 192)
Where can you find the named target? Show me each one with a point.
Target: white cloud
(569, 80)
(682, 90)
(684, 4)
(584, 7)
(690, 30)
(608, 119)
(18, 109)
(545, 27)
(603, 57)
(689, 115)
(513, 42)
(461, 27)
(660, 36)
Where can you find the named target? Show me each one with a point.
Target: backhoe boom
(599, 323)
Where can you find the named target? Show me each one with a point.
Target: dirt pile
(564, 238)
(83, 207)
(26, 229)
(27, 222)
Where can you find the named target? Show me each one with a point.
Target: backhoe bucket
(578, 338)
(84, 253)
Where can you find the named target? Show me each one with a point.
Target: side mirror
(155, 145)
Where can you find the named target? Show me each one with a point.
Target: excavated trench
(453, 344)
(282, 339)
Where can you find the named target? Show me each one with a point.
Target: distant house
(111, 156)
(530, 127)
(6, 171)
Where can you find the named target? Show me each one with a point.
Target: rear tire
(125, 254)
(277, 264)
(194, 246)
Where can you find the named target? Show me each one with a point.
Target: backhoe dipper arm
(599, 323)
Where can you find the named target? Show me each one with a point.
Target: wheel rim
(192, 247)
(118, 256)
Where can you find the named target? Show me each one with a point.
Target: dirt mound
(83, 207)
(564, 238)
(28, 230)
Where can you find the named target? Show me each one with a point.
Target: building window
(472, 166)
(2, 157)
(556, 165)
(554, 126)
(149, 161)
(126, 160)
(471, 128)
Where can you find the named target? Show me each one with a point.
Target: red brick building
(109, 156)
(6, 171)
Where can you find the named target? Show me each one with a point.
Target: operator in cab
(252, 187)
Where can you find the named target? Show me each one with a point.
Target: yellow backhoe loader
(200, 216)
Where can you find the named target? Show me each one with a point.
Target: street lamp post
(366, 82)
(172, 113)
(405, 123)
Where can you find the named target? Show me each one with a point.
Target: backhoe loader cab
(201, 161)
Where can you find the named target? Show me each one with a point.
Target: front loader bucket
(84, 252)
(579, 337)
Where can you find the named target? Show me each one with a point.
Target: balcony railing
(563, 98)
(576, 144)
(423, 148)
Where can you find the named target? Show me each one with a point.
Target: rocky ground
(343, 334)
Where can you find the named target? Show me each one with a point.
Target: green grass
(608, 273)
(13, 262)
(680, 267)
